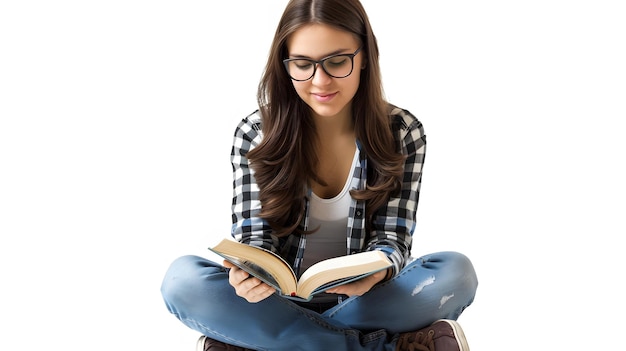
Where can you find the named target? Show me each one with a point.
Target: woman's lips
(324, 97)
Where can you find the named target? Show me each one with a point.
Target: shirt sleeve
(394, 223)
(247, 226)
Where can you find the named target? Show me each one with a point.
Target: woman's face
(327, 96)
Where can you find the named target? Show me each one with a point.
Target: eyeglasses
(336, 66)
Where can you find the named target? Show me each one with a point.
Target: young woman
(326, 167)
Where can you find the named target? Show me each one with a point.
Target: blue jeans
(439, 285)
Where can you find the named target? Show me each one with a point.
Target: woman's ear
(364, 63)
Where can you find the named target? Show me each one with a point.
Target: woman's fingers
(246, 286)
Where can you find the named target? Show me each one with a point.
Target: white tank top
(331, 216)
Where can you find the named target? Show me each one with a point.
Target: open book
(276, 272)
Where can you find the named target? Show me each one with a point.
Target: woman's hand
(250, 288)
(359, 287)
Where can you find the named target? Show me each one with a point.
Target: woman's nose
(320, 77)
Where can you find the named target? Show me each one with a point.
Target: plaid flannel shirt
(394, 223)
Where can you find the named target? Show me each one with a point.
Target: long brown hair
(285, 160)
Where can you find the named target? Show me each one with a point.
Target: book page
(340, 270)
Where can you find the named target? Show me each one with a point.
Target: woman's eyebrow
(340, 51)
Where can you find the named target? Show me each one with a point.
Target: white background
(116, 121)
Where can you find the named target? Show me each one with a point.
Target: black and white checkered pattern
(394, 223)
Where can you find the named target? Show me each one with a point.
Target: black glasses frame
(321, 63)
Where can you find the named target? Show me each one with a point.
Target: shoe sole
(458, 333)
(200, 343)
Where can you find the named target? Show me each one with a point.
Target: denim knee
(185, 278)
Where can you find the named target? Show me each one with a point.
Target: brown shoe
(207, 344)
(443, 335)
